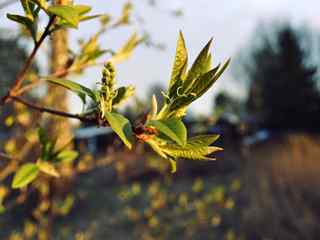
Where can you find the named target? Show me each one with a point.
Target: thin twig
(21, 75)
(52, 111)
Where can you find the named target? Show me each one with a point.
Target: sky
(231, 23)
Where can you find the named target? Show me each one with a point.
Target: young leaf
(26, 4)
(27, 22)
(197, 148)
(198, 67)
(172, 128)
(123, 93)
(173, 164)
(68, 13)
(208, 64)
(204, 140)
(47, 168)
(82, 91)
(124, 19)
(121, 126)
(82, 9)
(154, 107)
(156, 147)
(180, 60)
(42, 135)
(182, 102)
(25, 175)
(41, 3)
(207, 80)
(87, 18)
(203, 83)
(66, 156)
(126, 50)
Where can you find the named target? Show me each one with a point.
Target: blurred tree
(282, 81)
(226, 103)
(12, 57)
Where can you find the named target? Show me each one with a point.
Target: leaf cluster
(163, 130)
(48, 159)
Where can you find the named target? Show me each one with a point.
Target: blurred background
(266, 107)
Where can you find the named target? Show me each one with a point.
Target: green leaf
(203, 83)
(197, 148)
(87, 18)
(198, 67)
(48, 168)
(177, 86)
(121, 126)
(2, 208)
(126, 50)
(90, 51)
(182, 102)
(124, 19)
(66, 156)
(155, 145)
(42, 135)
(41, 3)
(47, 146)
(204, 140)
(172, 128)
(82, 9)
(208, 64)
(207, 80)
(180, 60)
(173, 164)
(123, 93)
(20, 19)
(68, 13)
(26, 21)
(27, 7)
(25, 175)
(82, 91)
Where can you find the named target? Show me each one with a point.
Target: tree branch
(21, 75)
(52, 111)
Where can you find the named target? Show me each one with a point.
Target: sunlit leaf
(80, 90)
(173, 164)
(207, 80)
(180, 60)
(27, 7)
(197, 148)
(48, 168)
(27, 22)
(203, 83)
(123, 93)
(126, 50)
(172, 128)
(198, 67)
(66, 156)
(41, 3)
(25, 175)
(68, 13)
(121, 126)
(82, 9)
(125, 17)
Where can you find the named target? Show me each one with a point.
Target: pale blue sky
(230, 23)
